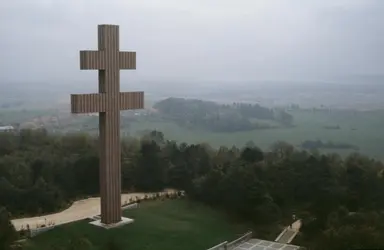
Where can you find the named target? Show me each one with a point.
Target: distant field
(9, 116)
(363, 129)
(171, 225)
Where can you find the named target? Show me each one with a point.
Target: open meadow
(362, 129)
(170, 224)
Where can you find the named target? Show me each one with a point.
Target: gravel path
(79, 210)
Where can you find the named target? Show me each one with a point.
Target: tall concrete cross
(108, 102)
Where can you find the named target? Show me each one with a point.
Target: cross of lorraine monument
(108, 60)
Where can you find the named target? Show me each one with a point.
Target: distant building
(28, 125)
(7, 129)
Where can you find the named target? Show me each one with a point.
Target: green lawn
(159, 225)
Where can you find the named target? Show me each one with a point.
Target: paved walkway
(288, 234)
(79, 210)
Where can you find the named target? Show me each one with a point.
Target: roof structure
(5, 128)
(257, 244)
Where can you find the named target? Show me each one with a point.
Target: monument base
(124, 221)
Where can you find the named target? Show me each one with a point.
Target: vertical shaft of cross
(110, 163)
(109, 127)
(108, 102)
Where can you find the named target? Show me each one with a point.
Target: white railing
(228, 246)
(281, 234)
(236, 242)
(221, 246)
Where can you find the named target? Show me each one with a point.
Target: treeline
(318, 144)
(340, 201)
(221, 117)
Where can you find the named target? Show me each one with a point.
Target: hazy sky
(195, 39)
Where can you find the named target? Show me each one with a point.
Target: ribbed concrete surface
(108, 60)
(94, 103)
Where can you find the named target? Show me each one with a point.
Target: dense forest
(341, 201)
(221, 117)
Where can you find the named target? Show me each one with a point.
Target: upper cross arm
(127, 60)
(90, 59)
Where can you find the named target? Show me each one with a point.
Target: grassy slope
(171, 225)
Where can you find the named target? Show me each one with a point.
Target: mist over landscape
(200, 49)
(262, 49)
(262, 116)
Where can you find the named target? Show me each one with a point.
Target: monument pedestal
(124, 221)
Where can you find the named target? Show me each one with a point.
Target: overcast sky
(195, 39)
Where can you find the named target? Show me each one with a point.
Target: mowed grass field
(363, 129)
(168, 225)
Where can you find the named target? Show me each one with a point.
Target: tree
(8, 233)
(252, 154)
(340, 200)
(150, 167)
